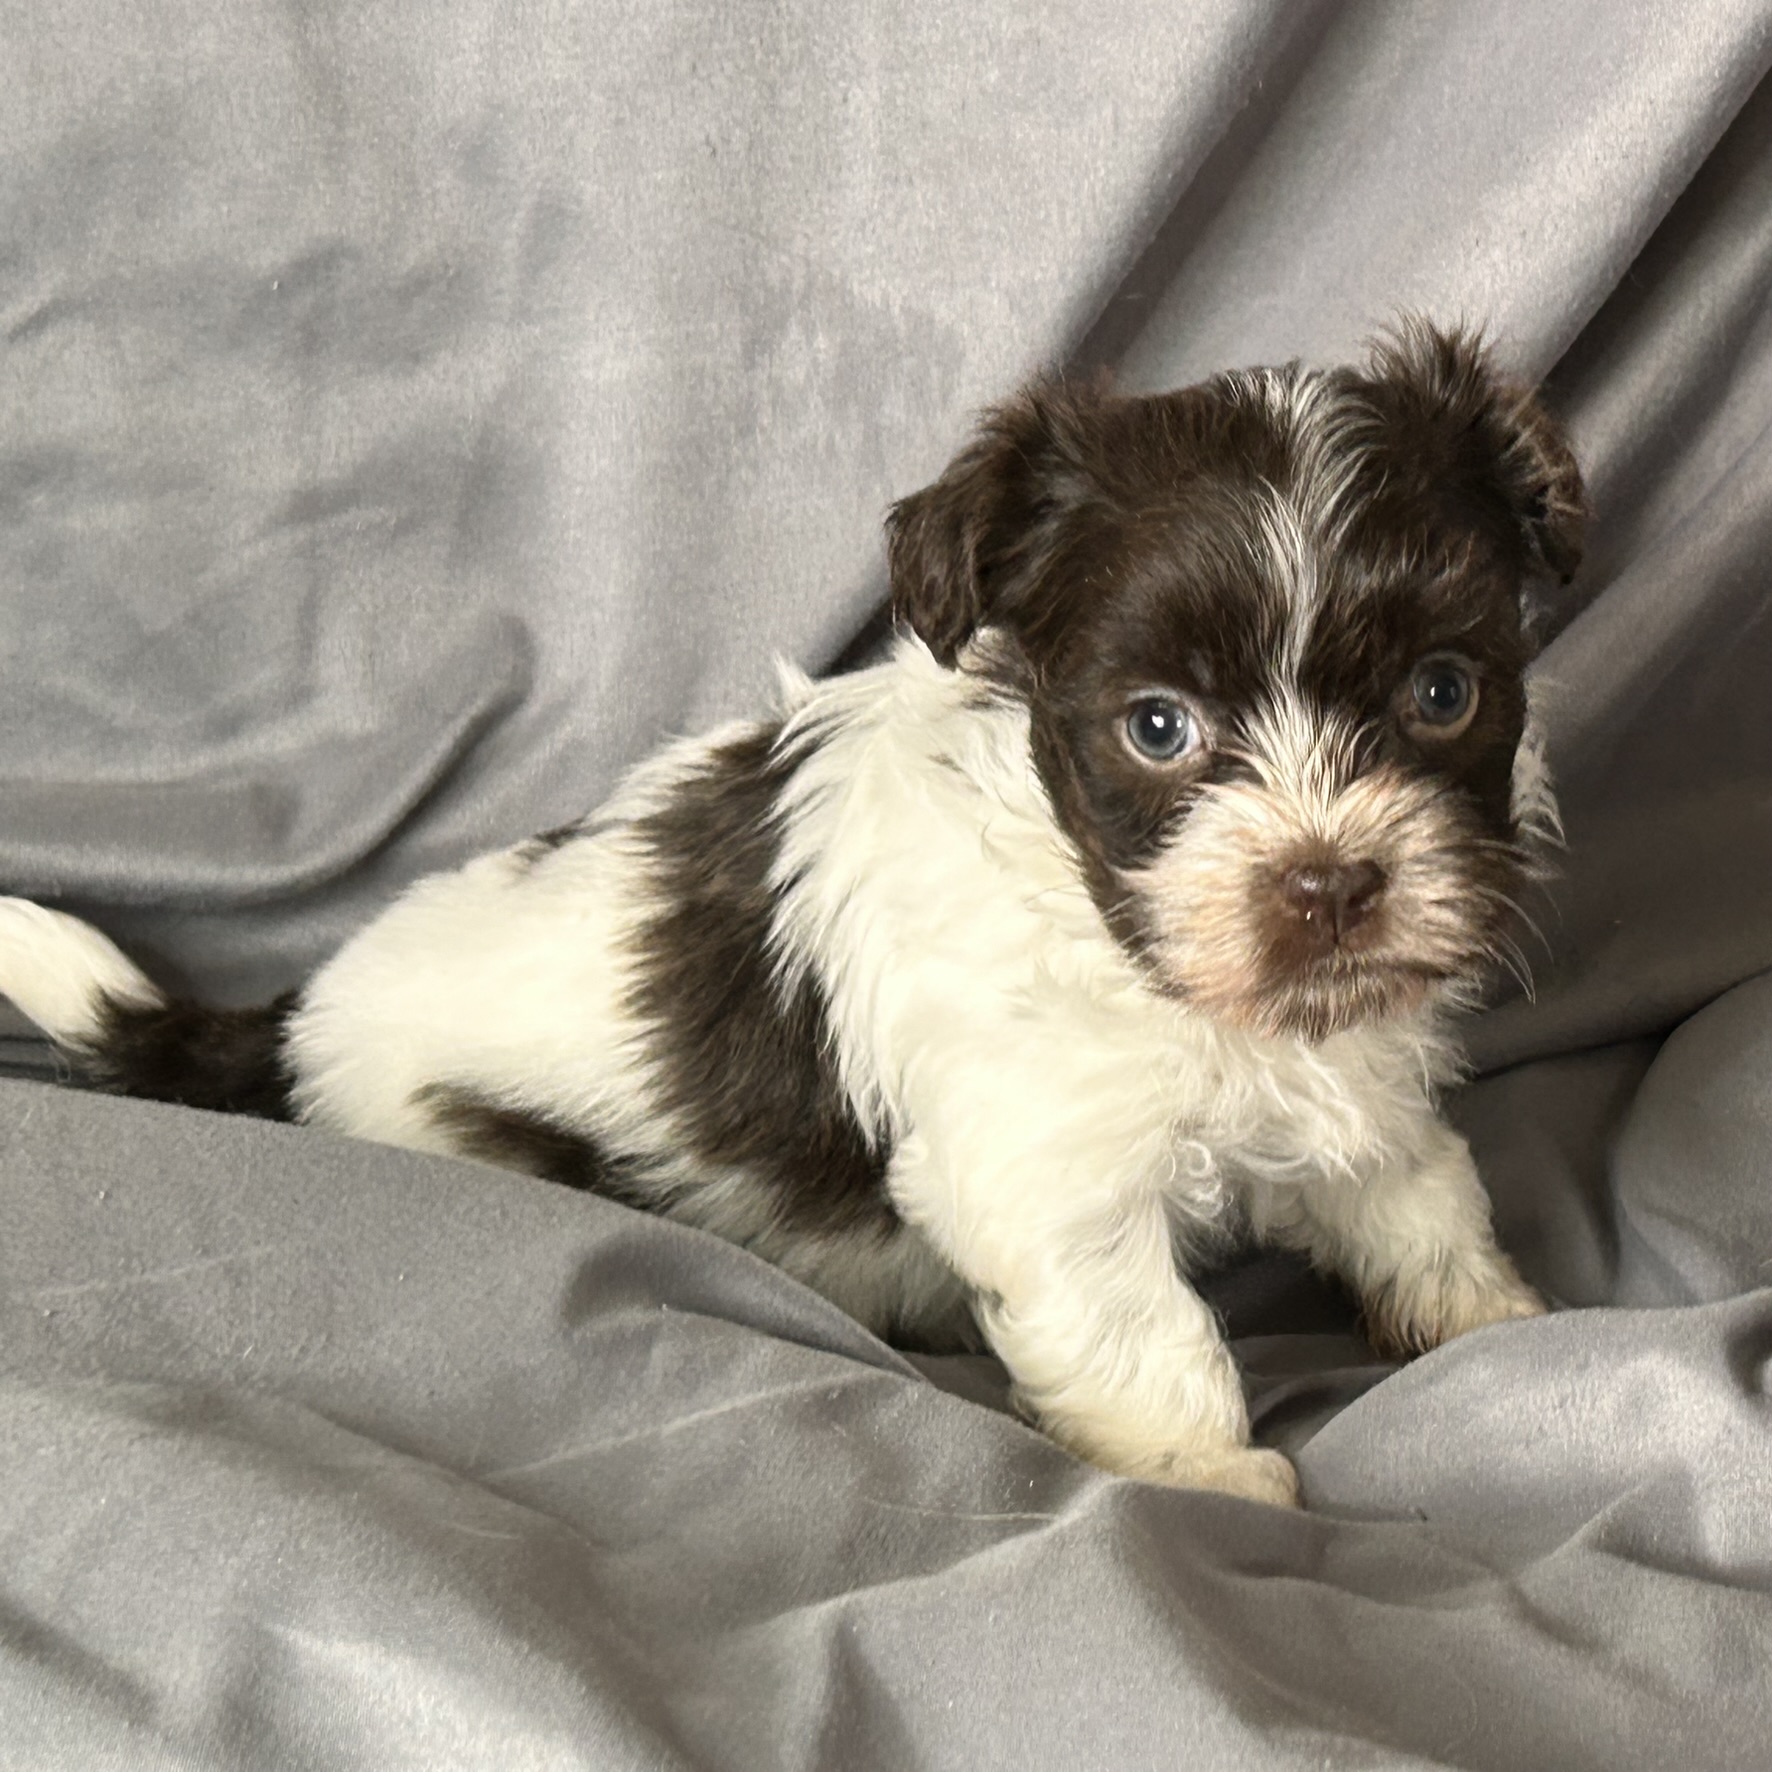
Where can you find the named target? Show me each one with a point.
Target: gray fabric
(413, 412)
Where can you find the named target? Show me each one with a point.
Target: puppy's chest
(1244, 1113)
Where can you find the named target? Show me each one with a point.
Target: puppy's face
(1269, 633)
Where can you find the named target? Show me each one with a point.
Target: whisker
(1510, 957)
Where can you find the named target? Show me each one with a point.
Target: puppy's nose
(1332, 899)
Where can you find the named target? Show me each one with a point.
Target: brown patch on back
(743, 1063)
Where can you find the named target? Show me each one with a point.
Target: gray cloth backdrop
(409, 414)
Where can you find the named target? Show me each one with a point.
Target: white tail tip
(61, 972)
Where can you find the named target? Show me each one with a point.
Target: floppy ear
(957, 550)
(1479, 442)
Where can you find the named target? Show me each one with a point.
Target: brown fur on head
(1270, 634)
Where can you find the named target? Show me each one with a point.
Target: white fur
(60, 971)
(1299, 525)
(1059, 1128)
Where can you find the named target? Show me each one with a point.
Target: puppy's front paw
(1208, 1462)
(1249, 1471)
(1255, 1473)
(1421, 1309)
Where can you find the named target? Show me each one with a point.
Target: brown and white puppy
(1123, 903)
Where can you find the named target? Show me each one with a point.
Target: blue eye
(1443, 692)
(1160, 729)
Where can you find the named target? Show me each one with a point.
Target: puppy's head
(1270, 634)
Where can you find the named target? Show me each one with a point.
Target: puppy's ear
(961, 552)
(1478, 442)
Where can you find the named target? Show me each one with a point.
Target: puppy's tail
(125, 1033)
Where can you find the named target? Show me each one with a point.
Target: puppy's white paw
(1432, 1305)
(1208, 1461)
(1252, 1472)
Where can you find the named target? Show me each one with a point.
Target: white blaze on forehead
(1324, 423)
(1301, 520)
(1286, 557)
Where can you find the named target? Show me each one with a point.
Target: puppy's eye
(1442, 696)
(1161, 730)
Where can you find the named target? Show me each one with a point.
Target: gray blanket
(413, 412)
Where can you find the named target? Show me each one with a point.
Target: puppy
(1122, 905)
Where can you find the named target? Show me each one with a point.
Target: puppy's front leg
(1413, 1237)
(1113, 1352)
